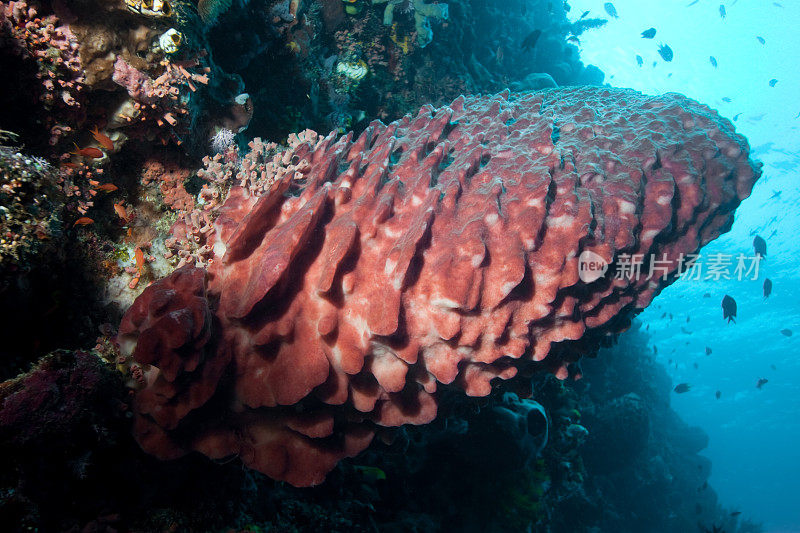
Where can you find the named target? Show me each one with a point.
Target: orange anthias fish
(83, 221)
(119, 209)
(102, 139)
(90, 152)
(107, 187)
(139, 255)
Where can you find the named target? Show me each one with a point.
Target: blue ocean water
(754, 433)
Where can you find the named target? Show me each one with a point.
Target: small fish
(649, 33)
(776, 4)
(372, 473)
(736, 513)
(736, 116)
(786, 332)
(639, 60)
(90, 152)
(530, 41)
(767, 288)
(773, 82)
(729, 309)
(610, 9)
(708, 350)
(655, 350)
(665, 52)
(119, 209)
(725, 98)
(761, 382)
(713, 61)
(685, 331)
(573, 39)
(761, 39)
(680, 388)
(107, 187)
(102, 139)
(759, 246)
(696, 366)
(583, 15)
(693, 3)
(775, 195)
(718, 394)
(707, 295)
(773, 367)
(138, 254)
(83, 221)
(722, 12)
(688, 318)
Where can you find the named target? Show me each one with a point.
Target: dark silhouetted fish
(713, 61)
(693, 3)
(773, 82)
(718, 394)
(583, 16)
(708, 350)
(639, 60)
(680, 388)
(759, 246)
(574, 40)
(761, 382)
(767, 288)
(649, 33)
(707, 295)
(729, 309)
(665, 52)
(688, 317)
(722, 12)
(775, 194)
(736, 513)
(664, 314)
(685, 331)
(610, 9)
(786, 332)
(773, 367)
(696, 366)
(655, 350)
(530, 41)
(725, 98)
(736, 116)
(761, 39)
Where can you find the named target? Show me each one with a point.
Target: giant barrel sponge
(439, 250)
